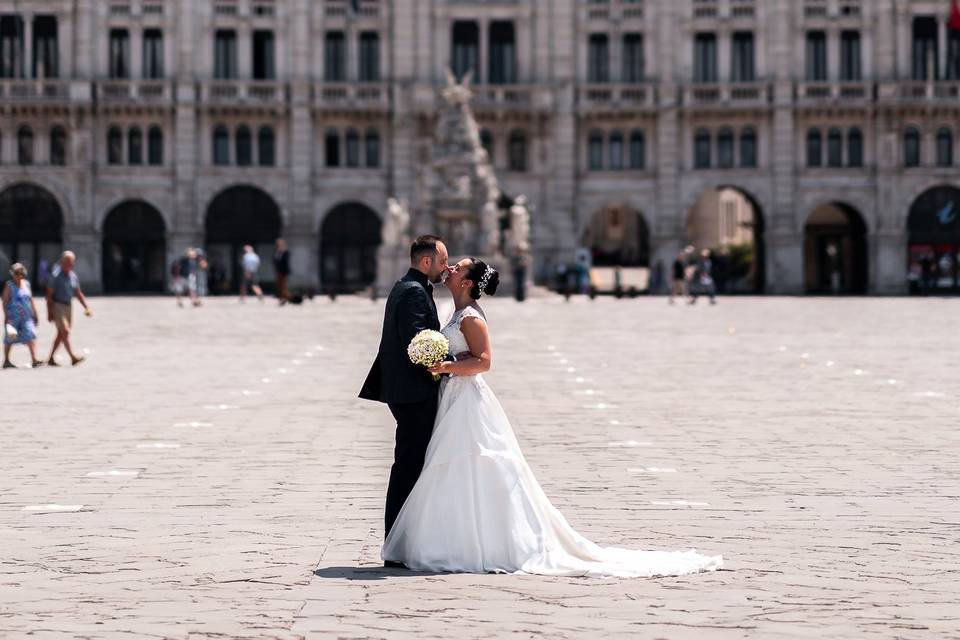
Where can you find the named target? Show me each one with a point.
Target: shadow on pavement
(371, 573)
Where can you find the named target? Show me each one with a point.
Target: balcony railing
(911, 91)
(349, 95)
(722, 94)
(521, 97)
(34, 90)
(818, 92)
(244, 91)
(616, 96)
(135, 90)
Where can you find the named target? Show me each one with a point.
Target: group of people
(693, 276)
(20, 315)
(190, 274)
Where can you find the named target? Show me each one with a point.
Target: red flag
(954, 23)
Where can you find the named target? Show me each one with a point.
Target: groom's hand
(444, 368)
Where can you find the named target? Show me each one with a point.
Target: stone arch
(835, 250)
(933, 240)
(134, 248)
(31, 229)
(349, 239)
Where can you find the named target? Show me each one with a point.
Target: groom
(408, 389)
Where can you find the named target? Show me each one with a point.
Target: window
(638, 150)
(850, 56)
(748, 148)
(855, 148)
(119, 53)
(335, 57)
(11, 47)
(25, 145)
(816, 56)
(503, 53)
(371, 142)
(701, 149)
(45, 54)
(517, 151)
(114, 146)
(225, 54)
(353, 148)
(911, 147)
(332, 148)
(263, 55)
(155, 146)
(244, 143)
(945, 148)
(266, 152)
(369, 57)
(598, 58)
(633, 61)
(152, 53)
(221, 145)
(953, 55)
(814, 148)
(58, 146)
(135, 146)
(616, 151)
(925, 53)
(705, 57)
(743, 69)
(466, 49)
(725, 148)
(595, 151)
(486, 141)
(834, 148)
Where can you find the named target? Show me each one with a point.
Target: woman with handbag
(19, 316)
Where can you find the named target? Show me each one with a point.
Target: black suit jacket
(393, 378)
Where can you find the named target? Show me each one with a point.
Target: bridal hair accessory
(485, 280)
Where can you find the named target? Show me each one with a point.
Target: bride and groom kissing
(461, 496)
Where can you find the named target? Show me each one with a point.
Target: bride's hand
(442, 368)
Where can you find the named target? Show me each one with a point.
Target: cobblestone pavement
(217, 477)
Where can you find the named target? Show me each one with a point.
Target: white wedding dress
(478, 508)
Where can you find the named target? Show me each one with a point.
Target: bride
(477, 506)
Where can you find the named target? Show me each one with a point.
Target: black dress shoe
(390, 564)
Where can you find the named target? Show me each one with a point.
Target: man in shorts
(62, 287)
(251, 264)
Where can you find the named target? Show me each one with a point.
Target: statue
(520, 224)
(397, 225)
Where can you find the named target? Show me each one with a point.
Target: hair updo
(476, 274)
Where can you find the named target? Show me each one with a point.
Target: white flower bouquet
(428, 348)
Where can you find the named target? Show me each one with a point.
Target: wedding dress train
(478, 508)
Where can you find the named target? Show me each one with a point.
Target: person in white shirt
(251, 264)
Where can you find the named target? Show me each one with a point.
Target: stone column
(668, 220)
(28, 45)
(136, 53)
(301, 233)
(186, 145)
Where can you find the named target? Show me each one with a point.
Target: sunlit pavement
(210, 472)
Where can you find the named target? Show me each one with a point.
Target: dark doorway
(236, 217)
(729, 222)
(835, 251)
(933, 244)
(618, 237)
(31, 227)
(349, 240)
(134, 249)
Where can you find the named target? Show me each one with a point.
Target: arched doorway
(134, 249)
(31, 227)
(618, 237)
(835, 250)
(236, 217)
(349, 239)
(933, 229)
(729, 222)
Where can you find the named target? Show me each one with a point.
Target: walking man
(678, 287)
(62, 288)
(251, 264)
(281, 266)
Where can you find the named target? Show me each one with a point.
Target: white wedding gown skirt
(478, 508)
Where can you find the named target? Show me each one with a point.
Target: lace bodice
(458, 343)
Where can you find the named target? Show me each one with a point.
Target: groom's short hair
(423, 246)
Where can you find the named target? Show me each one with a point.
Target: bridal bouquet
(428, 348)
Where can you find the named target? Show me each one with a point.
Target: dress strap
(469, 312)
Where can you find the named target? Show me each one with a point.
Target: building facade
(133, 129)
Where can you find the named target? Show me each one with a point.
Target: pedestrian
(251, 264)
(63, 287)
(678, 286)
(185, 277)
(704, 276)
(281, 266)
(521, 262)
(203, 274)
(19, 316)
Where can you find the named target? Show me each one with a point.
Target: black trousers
(414, 428)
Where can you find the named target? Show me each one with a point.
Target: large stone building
(132, 129)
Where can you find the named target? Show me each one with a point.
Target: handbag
(11, 331)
